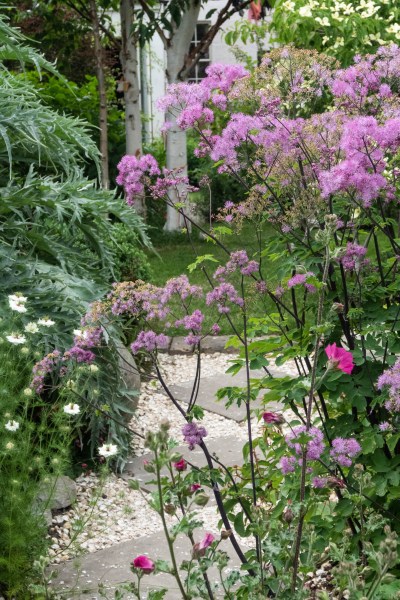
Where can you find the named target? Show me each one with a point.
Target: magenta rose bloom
(144, 564)
(271, 417)
(340, 358)
(181, 465)
(194, 487)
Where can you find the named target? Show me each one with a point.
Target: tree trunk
(129, 62)
(105, 180)
(176, 139)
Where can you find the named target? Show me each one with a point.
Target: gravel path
(108, 512)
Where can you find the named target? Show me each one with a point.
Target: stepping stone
(227, 450)
(209, 386)
(110, 567)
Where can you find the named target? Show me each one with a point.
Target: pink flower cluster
(193, 434)
(132, 171)
(313, 446)
(353, 259)
(149, 341)
(238, 261)
(301, 279)
(221, 295)
(43, 368)
(391, 379)
(343, 450)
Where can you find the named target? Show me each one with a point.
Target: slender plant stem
(166, 532)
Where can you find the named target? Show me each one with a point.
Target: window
(198, 72)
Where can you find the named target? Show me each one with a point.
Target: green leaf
(200, 260)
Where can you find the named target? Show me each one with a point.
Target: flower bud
(338, 307)
(180, 465)
(148, 466)
(226, 533)
(169, 508)
(201, 499)
(288, 515)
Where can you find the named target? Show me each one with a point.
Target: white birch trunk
(129, 63)
(176, 139)
(105, 180)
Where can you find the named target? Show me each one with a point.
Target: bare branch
(198, 51)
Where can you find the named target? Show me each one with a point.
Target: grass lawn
(176, 255)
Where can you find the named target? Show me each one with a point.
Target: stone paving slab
(80, 578)
(226, 449)
(210, 385)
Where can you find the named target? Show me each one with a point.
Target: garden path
(135, 529)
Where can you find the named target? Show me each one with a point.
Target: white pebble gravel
(109, 512)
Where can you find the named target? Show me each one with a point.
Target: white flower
(46, 322)
(108, 450)
(21, 308)
(10, 445)
(324, 21)
(31, 327)
(19, 298)
(12, 425)
(72, 409)
(16, 338)
(93, 368)
(28, 392)
(305, 11)
(289, 6)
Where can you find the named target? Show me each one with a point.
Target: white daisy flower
(18, 307)
(19, 298)
(31, 327)
(16, 338)
(72, 409)
(12, 425)
(108, 450)
(46, 322)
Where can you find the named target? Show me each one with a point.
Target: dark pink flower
(206, 541)
(271, 417)
(144, 564)
(340, 358)
(180, 465)
(194, 487)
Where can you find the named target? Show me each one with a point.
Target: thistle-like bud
(226, 533)
(201, 499)
(169, 509)
(288, 515)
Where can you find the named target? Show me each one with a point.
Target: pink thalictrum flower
(144, 564)
(339, 358)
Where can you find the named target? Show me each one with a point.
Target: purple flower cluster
(192, 99)
(353, 259)
(315, 445)
(43, 368)
(312, 443)
(132, 172)
(194, 323)
(238, 261)
(193, 434)
(80, 355)
(149, 341)
(90, 338)
(343, 450)
(391, 379)
(221, 295)
(301, 279)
